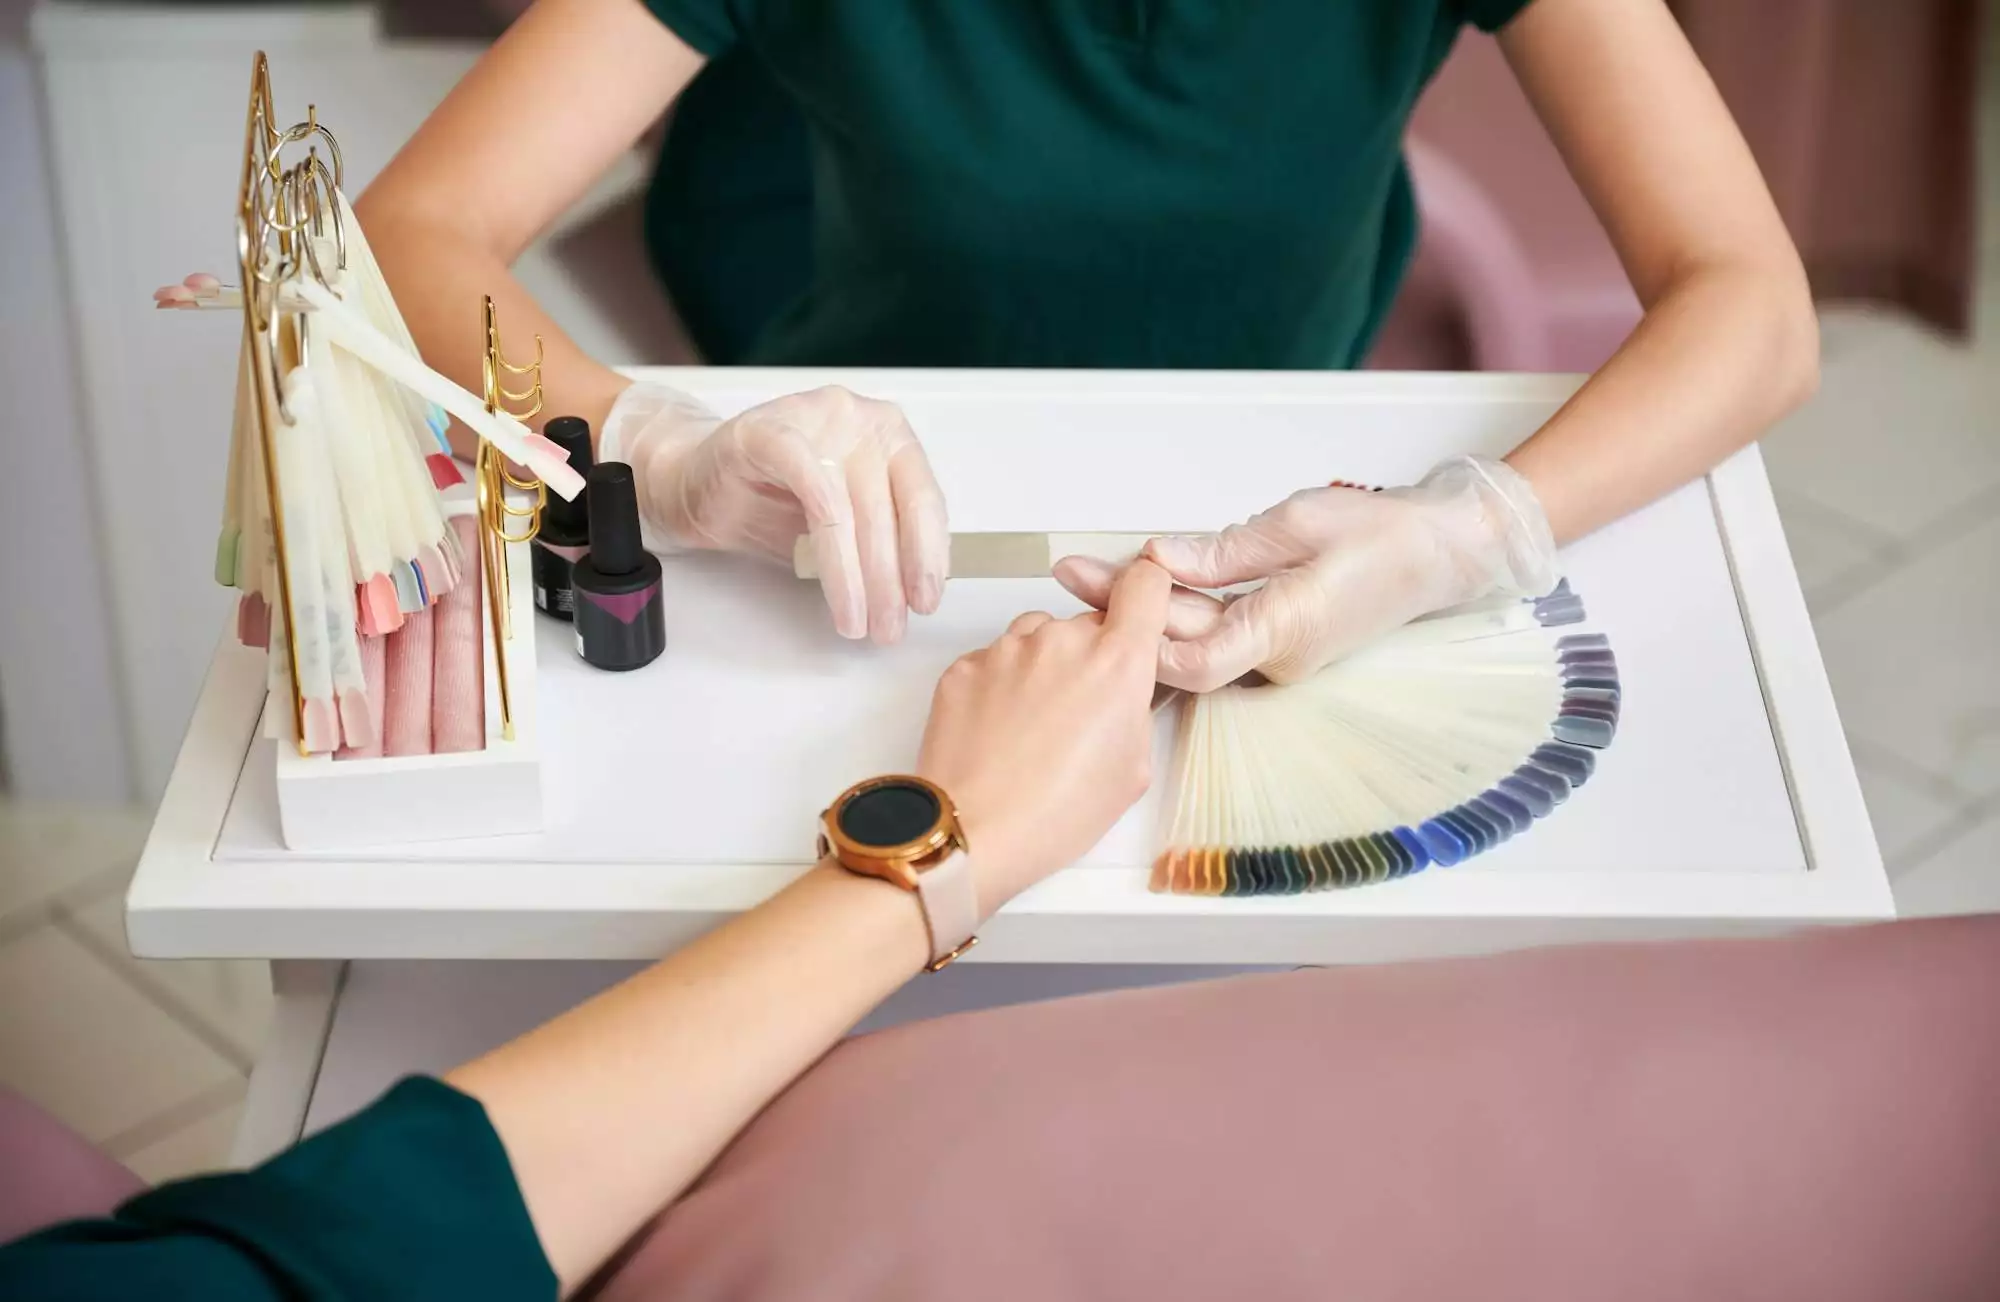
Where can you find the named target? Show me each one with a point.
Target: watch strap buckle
(945, 960)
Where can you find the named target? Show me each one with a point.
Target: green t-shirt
(412, 1197)
(1105, 183)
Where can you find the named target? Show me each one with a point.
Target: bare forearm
(439, 278)
(610, 1111)
(567, 89)
(1729, 343)
(1718, 358)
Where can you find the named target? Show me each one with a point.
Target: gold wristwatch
(905, 831)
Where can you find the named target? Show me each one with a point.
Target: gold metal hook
(280, 212)
(260, 337)
(493, 479)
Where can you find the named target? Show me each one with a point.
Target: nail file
(1428, 747)
(1008, 555)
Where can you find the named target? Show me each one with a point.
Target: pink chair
(1512, 271)
(52, 1173)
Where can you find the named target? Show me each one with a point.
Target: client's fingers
(1087, 579)
(1137, 611)
(1190, 614)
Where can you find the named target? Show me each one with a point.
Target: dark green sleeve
(709, 26)
(1486, 15)
(411, 1198)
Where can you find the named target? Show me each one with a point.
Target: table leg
(281, 1085)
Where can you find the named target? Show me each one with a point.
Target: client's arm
(610, 1111)
(596, 1121)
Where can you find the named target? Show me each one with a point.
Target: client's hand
(843, 468)
(1341, 566)
(1044, 738)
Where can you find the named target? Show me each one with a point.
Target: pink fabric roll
(406, 709)
(1806, 1117)
(458, 684)
(374, 670)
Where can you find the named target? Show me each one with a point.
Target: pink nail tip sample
(253, 621)
(202, 283)
(439, 578)
(357, 724)
(322, 723)
(444, 471)
(561, 478)
(382, 602)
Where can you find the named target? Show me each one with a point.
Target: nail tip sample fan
(1430, 746)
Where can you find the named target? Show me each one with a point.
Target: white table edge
(183, 903)
(1839, 838)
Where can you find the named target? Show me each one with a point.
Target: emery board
(1008, 555)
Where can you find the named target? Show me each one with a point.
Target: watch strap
(951, 907)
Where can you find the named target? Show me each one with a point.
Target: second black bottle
(621, 620)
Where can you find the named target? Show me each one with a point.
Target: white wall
(59, 693)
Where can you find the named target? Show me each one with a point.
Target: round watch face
(894, 813)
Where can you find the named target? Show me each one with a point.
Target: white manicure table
(685, 793)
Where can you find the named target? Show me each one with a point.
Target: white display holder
(330, 804)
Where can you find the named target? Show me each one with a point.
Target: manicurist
(1068, 183)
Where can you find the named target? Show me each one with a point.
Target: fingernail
(930, 591)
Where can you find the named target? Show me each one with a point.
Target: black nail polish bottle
(621, 622)
(564, 538)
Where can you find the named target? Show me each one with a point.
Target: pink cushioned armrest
(49, 1173)
(1815, 1117)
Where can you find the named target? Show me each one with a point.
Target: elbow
(1760, 310)
(399, 211)
(1774, 302)
(1794, 346)
(390, 214)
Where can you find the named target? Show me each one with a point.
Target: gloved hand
(845, 469)
(1341, 567)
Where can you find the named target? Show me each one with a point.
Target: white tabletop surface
(685, 792)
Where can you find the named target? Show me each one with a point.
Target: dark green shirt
(1106, 183)
(411, 1198)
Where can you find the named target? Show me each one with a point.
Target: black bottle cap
(614, 519)
(572, 435)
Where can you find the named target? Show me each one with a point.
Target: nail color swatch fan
(1432, 745)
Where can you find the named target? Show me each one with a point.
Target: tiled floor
(147, 1060)
(1890, 488)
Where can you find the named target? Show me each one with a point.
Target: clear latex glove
(1340, 567)
(843, 468)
